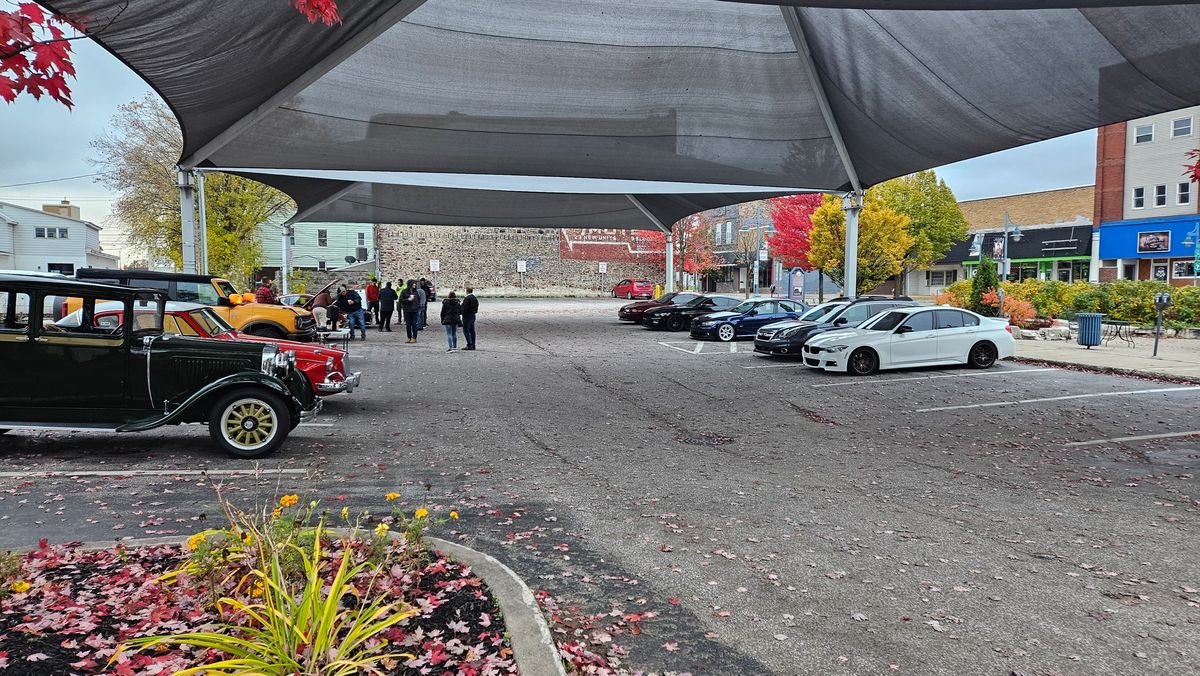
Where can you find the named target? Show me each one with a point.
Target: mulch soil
(81, 605)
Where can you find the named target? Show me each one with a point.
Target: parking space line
(1040, 400)
(148, 472)
(678, 348)
(884, 381)
(1144, 437)
(780, 366)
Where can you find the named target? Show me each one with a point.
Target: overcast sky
(42, 140)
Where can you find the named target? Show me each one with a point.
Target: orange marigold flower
(421, 513)
(288, 500)
(20, 586)
(391, 496)
(453, 515)
(193, 543)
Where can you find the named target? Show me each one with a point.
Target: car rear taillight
(1008, 327)
(63, 313)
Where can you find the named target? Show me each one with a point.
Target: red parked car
(633, 288)
(325, 367)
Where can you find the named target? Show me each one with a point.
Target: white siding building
(36, 240)
(1154, 157)
(316, 246)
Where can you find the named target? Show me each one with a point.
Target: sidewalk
(1177, 357)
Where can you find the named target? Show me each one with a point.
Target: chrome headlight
(269, 353)
(329, 365)
(788, 333)
(283, 362)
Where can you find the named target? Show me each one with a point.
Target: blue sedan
(743, 321)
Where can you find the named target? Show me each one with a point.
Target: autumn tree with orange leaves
(791, 217)
(35, 47)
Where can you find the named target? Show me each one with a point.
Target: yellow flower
(246, 539)
(275, 513)
(421, 513)
(288, 500)
(391, 496)
(381, 530)
(345, 514)
(193, 543)
(20, 586)
(257, 589)
(454, 515)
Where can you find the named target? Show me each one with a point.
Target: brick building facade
(556, 261)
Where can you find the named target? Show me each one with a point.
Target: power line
(52, 180)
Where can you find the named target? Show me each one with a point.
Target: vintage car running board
(81, 427)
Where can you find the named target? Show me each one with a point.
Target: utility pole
(203, 223)
(187, 218)
(852, 204)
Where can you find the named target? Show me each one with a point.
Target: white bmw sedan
(913, 336)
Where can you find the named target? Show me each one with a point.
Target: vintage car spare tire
(249, 422)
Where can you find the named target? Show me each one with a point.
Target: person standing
(423, 298)
(387, 305)
(354, 304)
(343, 307)
(470, 308)
(320, 310)
(373, 301)
(410, 303)
(451, 319)
(264, 294)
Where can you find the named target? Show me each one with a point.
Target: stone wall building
(557, 262)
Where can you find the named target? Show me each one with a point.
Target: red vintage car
(324, 366)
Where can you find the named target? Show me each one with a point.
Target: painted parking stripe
(679, 348)
(1144, 437)
(149, 472)
(1123, 393)
(884, 381)
(781, 366)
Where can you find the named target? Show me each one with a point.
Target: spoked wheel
(726, 333)
(249, 423)
(677, 323)
(863, 362)
(982, 356)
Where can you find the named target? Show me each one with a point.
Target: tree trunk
(820, 286)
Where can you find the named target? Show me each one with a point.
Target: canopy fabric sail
(817, 95)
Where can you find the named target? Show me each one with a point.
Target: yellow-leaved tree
(883, 241)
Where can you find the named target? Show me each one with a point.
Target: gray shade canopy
(819, 95)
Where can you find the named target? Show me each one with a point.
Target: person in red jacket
(372, 302)
(264, 293)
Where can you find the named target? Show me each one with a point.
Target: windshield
(665, 299)
(208, 320)
(698, 300)
(744, 307)
(885, 321)
(821, 312)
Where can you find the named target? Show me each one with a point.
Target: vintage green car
(129, 376)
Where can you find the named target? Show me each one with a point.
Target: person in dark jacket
(451, 319)
(470, 308)
(356, 316)
(387, 305)
(342, 304)
(410, 303)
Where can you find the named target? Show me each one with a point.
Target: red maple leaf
(325, 11)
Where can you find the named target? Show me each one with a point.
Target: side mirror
(752, 313)
(841, 320)
(904, 328)
(222, 301)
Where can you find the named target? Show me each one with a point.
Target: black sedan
(632, 312)
(787, 337)
(744, 320)
(679, 317)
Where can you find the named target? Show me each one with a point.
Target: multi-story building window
(1143, 133)
(50, 233)
(362, 239)
(1184, 196)
(1139, 198)
(1160, 195)
(322, 238)
(1181, 127)
(320, 265)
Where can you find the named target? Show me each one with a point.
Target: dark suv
(786, 338)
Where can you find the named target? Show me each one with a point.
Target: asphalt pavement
(774, 519)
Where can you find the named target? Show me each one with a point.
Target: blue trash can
(1089, 328)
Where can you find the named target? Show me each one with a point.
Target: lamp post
(1005, 264)
(1193, 240)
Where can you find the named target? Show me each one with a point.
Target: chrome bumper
(309, 414)
(334, 386)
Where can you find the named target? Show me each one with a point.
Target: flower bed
(391, 604)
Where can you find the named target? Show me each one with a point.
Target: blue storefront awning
(1148, 237)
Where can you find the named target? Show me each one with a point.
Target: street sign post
(521, 273)
(603, 270)
(1161, 302)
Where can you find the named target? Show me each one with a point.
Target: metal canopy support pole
(853, 201)
(335, 58)
(670, 240)
(203, 224)
(285, 265)
(187, 220)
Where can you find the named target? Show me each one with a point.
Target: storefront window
(1185, 268)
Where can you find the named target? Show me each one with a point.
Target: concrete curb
(1109, 370)
(533, 645)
